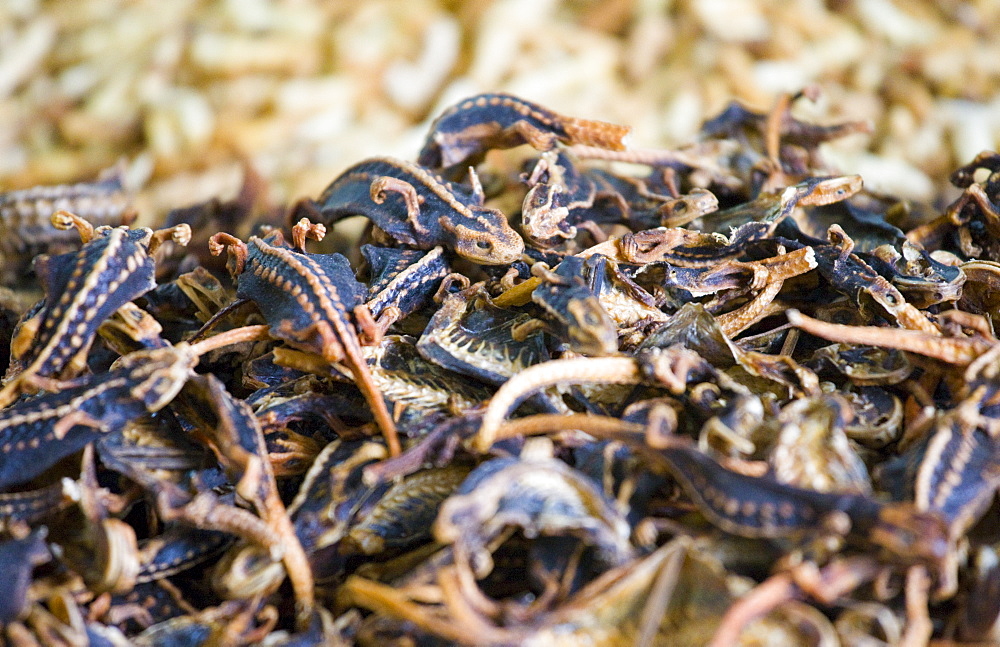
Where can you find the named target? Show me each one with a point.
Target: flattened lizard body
(417, 208)
(25, 214)
(750, 222)
(36, 433)
(82, 289)
(464, 132)
(306, 299)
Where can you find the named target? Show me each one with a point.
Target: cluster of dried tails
(569, 391)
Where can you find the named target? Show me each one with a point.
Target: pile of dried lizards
(577, 391)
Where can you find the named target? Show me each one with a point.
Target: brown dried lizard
(418, 208)
(464, 132)
(306, 299)
(752, 221)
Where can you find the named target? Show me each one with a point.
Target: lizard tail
(363, 378)
(602, 134)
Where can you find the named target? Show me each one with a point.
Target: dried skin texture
(26, 228)
(539, 498)
(751, 222)
(82, 289)
(812, 450)
(403, 515)
(573, 307)
(866, 365)
(176, 550)
(705, 440)
(40, 431)
(471, 336)
(402, 280)
(678, 593)
(239, 442)
(33, 505)
(956, 477)
(408, 380)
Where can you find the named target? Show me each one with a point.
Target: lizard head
(486, 238)
(592, 331)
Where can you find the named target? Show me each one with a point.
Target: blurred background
(187, 91)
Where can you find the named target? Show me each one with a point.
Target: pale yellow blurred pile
(185, 91)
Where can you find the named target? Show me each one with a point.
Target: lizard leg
(507, 281)
(381, 185)
(180, 234)
(372, 330)
(591, 228)
(446, 284)
(542, 166)
(542, 140)
(301, 361)
(305, 229)
(63, 219)
(238, 251)
(477, 187)
(72, 419)
(50, 384)
(519, 332)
